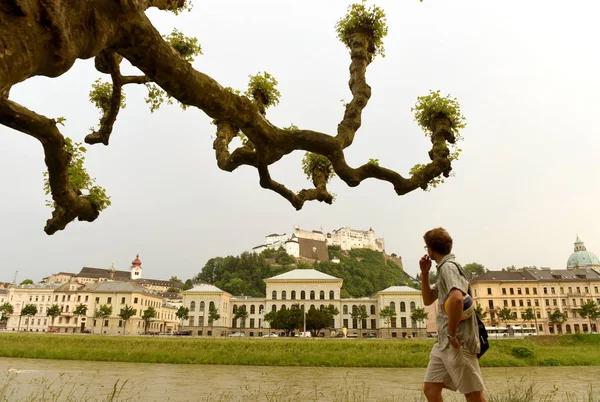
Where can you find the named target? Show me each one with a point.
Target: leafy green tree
(505, 315)
(80, 310)
(103, 312)
(187, 285)
(147, 316)
(419, 315)
(529, 315)
(288, 319)
(590, 311)
(511, 268)
(175, 279)
(388, 314)
(29, 310)
(319, 319)
(53, 311)
(242, 314)
(557, 317)
(360, 314)
(473, 269)
(173, 290)
(183, 313)
(125, 314)
(6, 310)
(270, 317)
(213, 315)
(27, 282)
(480, 313)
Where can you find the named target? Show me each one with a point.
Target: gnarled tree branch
(69, 202)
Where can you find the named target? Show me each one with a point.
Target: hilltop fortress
(313, 244)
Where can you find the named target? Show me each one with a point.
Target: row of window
(211, 306)
(513, 303)
(546, 290)
(312, 295)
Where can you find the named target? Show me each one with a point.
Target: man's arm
(429, 294)
(455, 307)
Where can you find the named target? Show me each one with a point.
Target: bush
(550, 362)
(522, 352)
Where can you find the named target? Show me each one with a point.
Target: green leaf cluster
(100, 95)
(187, 47)
(426, 110)
(187, 6)
(430, 106)
(263, 89)
(314, 162)
(80, 178)
(369, 21)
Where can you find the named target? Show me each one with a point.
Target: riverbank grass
(565, 350)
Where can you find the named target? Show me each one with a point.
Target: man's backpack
(483, 335)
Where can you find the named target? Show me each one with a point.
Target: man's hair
(439, 241)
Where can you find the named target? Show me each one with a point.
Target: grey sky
(525, 73)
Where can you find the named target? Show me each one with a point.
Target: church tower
(136, 268)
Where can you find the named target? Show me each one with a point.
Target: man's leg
(476, 396)
(433, 391)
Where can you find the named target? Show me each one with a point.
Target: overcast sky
(525, 73)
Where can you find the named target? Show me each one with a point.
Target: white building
(310, 289)
(348, 239)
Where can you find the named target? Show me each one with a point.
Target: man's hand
(455, 343)
(425, 264)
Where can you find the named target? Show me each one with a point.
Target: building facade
(307, 288)
(347, 239)
(69, 296)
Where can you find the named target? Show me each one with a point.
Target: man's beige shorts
(457, 369)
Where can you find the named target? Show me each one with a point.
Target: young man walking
(453, 360)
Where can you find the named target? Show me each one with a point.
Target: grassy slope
(569, 350)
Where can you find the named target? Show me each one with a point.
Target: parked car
(304, 335)
(237, 335)
(370, 336)
(86, 331)
(271, 335)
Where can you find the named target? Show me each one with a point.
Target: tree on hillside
(419, 315)
(115, 31)
(360, 314)
(29, 310)
(53, 311)
(147, 316)
(480, 313)
(557, 317)
(103, 312)
(183, 313)
(505, 315)
(241, 314)
(125, 314)
(473, 269)
(80, 310)
(27, 282)
(6, 310)
(187, 285)
(590, 311)
(175, 279)
(213, 315)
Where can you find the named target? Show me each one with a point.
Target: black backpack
(483, 335)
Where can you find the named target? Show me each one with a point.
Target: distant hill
(365, 272)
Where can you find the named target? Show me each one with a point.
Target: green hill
(365, 272)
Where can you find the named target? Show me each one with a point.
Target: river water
(65, 380)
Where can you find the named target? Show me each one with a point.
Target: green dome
(582, 258)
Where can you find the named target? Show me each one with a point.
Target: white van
(304, 335)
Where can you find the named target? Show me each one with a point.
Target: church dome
(136, 262)
(582, 258)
